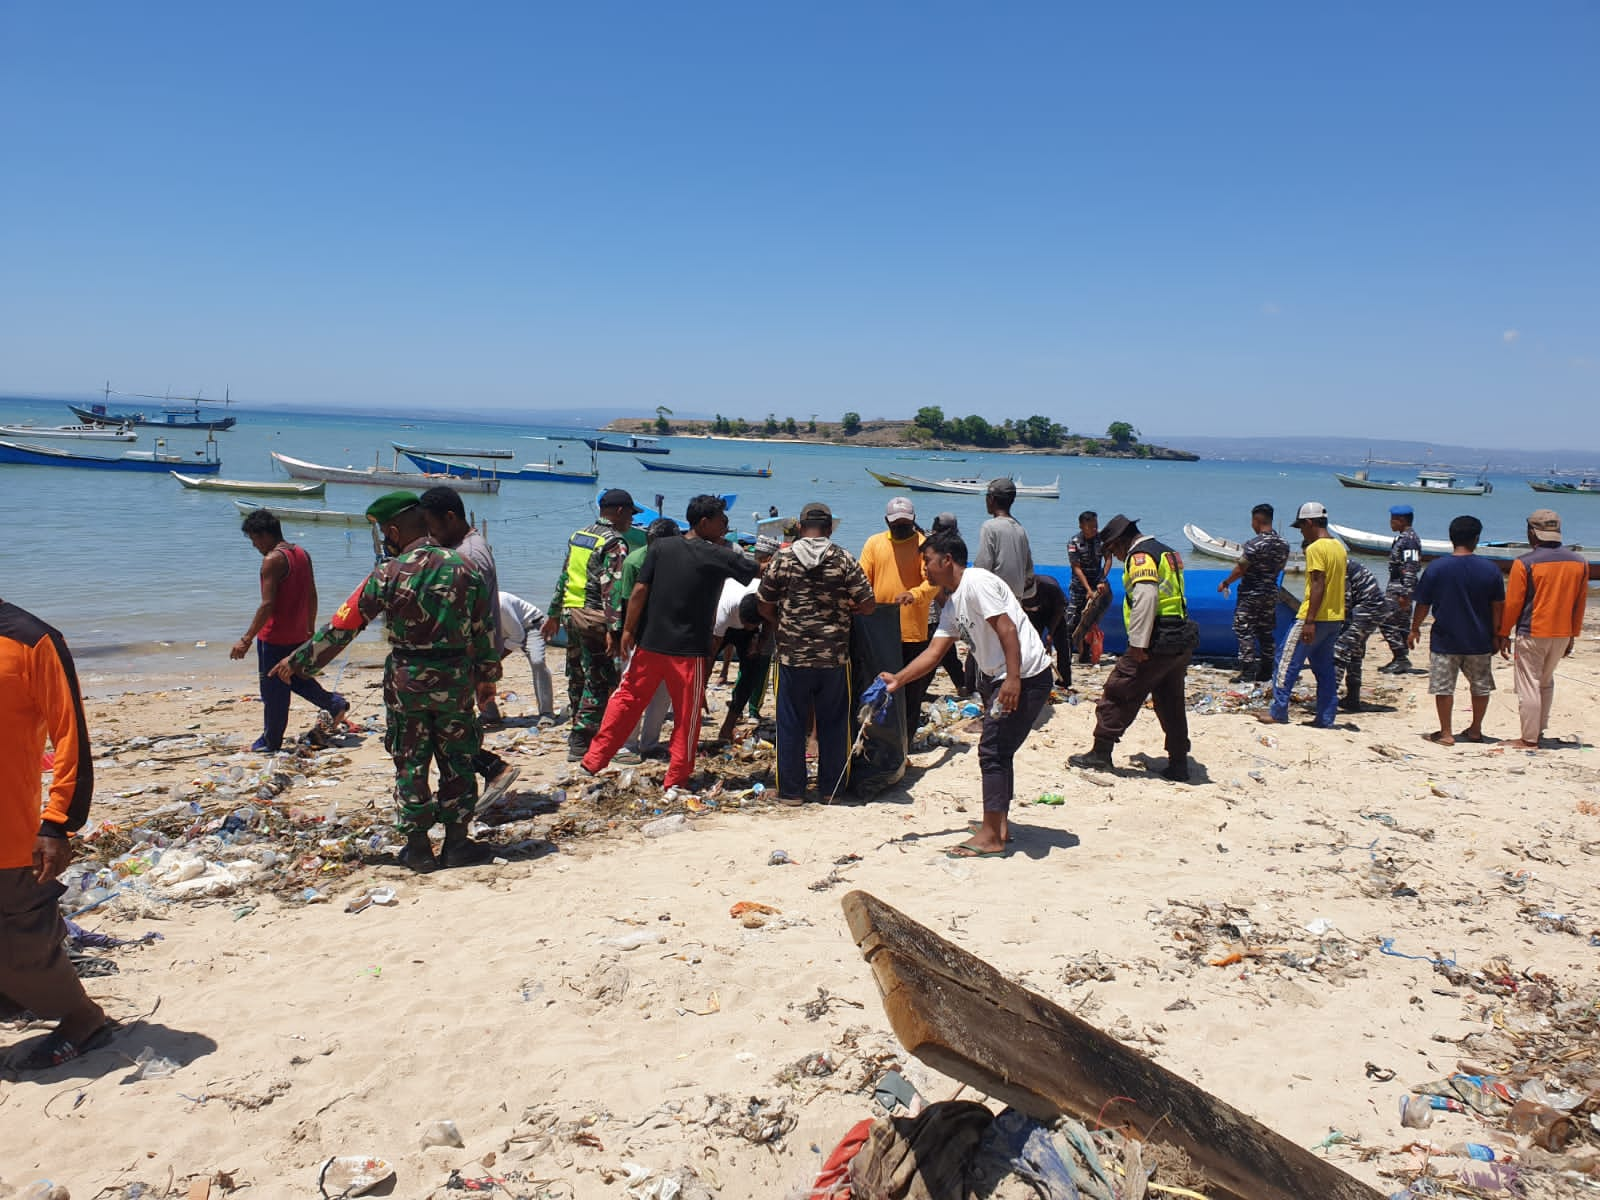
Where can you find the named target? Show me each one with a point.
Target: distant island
(928, 430)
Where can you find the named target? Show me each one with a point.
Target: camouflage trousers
(1396, 624)
(416, 736)
(591, 678)
(1254, 622)
(1350, 651)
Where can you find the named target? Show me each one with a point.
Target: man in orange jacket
(1546, 594)
(39, 694)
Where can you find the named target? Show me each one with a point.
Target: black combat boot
(1264, 671)
(1098, 759)
(461, 851)
(418, 853)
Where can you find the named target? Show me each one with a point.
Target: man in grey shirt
(1003, 542)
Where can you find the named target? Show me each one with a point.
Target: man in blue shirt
(1466, 595)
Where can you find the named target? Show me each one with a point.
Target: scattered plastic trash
(632, 941)
(780, 858)
(676, 823)
(1415, 1112)
(150, 1065)
(442, 1133)
(353, 1175)
(1051, 798)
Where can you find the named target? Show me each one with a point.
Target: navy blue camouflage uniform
(1365, 605)
(1405, 566)
(1255, 615)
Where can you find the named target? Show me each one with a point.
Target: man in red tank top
(285, 619)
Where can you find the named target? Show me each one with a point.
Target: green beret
(387, 507)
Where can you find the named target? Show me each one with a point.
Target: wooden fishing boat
(966, 487)
(1430, 483)
(1584, 487)
(376, 476)
(23, 455)
(1504, 553)
(626, 443)
(1231, 551)
(78, 433)
(553, 471)
(292, 515)
(744, 472)
(452, 451)
(259, 487)
(167, 417)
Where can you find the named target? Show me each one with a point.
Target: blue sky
(1363, 219)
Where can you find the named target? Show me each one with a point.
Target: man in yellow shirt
(1315, 633)
(893, 563)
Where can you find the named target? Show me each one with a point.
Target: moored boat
(378, 477)
(452, 451)
(287, 513)
(1586, 486)
(625, 443)
(24, 455)
(1427, 483)
(77, 433)
(1231, 551)
(745, 472)
(547, 472)
(966, 487)
(260, 487)
(166, 417)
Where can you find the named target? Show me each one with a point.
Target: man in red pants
(671, 613)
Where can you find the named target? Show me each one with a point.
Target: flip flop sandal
(56, 1050)
(967, 850)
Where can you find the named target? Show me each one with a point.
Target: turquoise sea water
(135, 569)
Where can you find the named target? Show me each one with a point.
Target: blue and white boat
(22, 454)
(547, 472)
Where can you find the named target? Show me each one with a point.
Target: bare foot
(1470, 734)
(1519, 744)
(1440, 737)
(1267, 718)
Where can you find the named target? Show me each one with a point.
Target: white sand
(310, 1032)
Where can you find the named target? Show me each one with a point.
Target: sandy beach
(589, 1002)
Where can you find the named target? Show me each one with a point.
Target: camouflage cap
(390, 505)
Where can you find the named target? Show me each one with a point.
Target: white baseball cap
(1311, 510)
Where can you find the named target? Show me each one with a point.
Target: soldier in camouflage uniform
(1405, 566)
(585, 603)
(1365, 606)
(1255, 616)
(439, 616)
(812, 588)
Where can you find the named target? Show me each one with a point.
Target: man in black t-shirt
(682, 580)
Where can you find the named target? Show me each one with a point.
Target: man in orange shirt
(39, 695)
(1546, 594)
(893, 563)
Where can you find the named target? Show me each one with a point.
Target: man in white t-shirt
(1013, 675)
(739, 621)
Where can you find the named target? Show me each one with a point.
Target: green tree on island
(1122, 434)
(790, 427)
(850, 423)
(811, 425)
(931, 418)
(663, 426)
(771, 427)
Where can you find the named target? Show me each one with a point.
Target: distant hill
(1345, 451)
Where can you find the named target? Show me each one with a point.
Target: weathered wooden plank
(962, 1017)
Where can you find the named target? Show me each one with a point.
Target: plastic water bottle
(995, 711)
